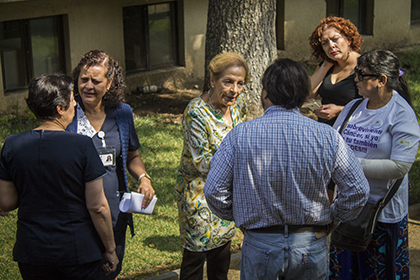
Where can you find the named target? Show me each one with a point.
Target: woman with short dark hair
(55, 179)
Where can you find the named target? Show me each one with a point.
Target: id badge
(107, 155)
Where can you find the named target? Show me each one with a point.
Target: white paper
(131, 203)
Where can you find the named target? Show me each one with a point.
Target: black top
(339, 93)
(49, 170)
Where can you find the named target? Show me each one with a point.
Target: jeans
(284, 256)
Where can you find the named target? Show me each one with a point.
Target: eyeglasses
(360, 74)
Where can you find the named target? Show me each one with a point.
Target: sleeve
(4, 172)
(218, 189)
(353, 187)
(196, 132)
(94, 169)
(405, 136)
(384, 168)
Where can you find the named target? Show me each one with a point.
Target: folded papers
(131, 203)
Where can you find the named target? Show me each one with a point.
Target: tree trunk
(246, 27)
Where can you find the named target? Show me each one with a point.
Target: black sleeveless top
(339, 93)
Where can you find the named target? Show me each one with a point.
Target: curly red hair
(344, 26)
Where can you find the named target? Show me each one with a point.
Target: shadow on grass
(414, 181)
(167, 243)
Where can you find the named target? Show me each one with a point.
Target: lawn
(156, 246)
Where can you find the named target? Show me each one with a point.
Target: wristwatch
(144, 175)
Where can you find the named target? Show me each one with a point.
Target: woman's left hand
(328, 111)
(146, 189)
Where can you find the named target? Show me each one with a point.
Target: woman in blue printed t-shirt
(384, 134)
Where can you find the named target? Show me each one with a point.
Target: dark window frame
(415, 21)
(26, 43)
(144, 17)
(365, 14)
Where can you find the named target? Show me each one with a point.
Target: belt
(290, 229)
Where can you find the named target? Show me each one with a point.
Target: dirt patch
(170, 105)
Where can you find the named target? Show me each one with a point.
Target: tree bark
(248, 28)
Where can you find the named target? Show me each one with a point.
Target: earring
(348, 54)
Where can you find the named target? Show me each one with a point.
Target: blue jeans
(284, 256)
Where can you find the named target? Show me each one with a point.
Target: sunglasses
(360, 74)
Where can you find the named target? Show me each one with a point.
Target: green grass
(410, 63)
(156, 246)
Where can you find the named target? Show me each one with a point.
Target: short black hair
(46, 92)
(287, 83)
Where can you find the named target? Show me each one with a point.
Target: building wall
(300, 19)
(391, 27)
(98, 24)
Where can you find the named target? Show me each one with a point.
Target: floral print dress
(204, 129)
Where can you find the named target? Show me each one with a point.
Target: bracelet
(144, 175)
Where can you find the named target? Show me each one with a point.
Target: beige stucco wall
(300, 19)
(389, 28)
(98, 24)
(192, 29)
(22, 10)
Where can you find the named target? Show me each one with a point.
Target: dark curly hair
(115, 95)
(344, 26)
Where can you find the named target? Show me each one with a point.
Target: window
(30, 47)
(415, 12)
(280, 25)
(359, 12)
(150, 39)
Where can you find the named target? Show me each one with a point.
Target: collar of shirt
(276, 108)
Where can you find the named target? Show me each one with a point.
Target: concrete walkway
(234, 267)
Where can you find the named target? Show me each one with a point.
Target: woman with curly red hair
(336, 41)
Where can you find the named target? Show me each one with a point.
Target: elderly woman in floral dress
(207, 120)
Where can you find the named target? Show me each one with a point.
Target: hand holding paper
(132, 203)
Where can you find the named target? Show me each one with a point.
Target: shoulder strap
(352, 109)
(393, 189)
(390, 193)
